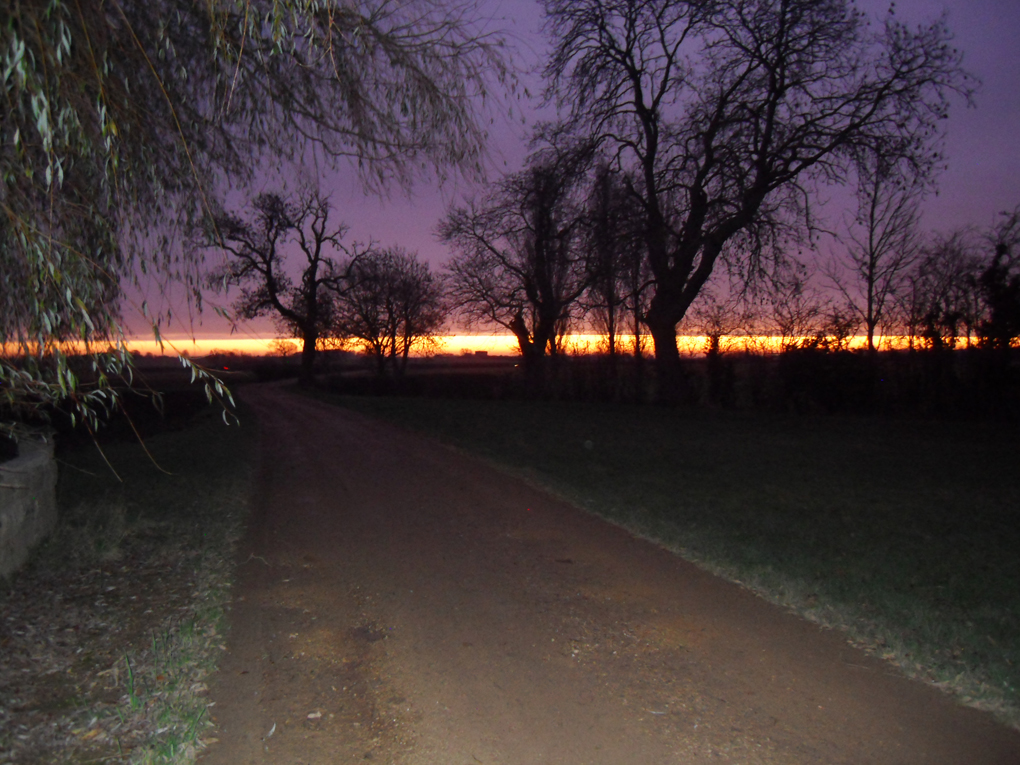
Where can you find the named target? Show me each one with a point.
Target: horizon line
(497, 344)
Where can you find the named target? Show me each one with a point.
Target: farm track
(399, 602)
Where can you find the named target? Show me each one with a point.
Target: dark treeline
(121, 123)
(690, 146)
(677, 192)
(965, 382)
(676, 189)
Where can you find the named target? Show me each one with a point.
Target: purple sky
(982, 147)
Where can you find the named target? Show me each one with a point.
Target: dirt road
(401, 603)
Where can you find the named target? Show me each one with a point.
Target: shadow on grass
(903, 533)
(115, 624)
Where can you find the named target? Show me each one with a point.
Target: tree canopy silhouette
(394, 305)
(256, 262)
(882, 242)
(999, 284)
(728, 112)
(519, 262)
(119, 117)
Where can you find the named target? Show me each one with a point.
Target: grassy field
(903, 533)
(111, 630)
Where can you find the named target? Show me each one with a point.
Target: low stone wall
(28, 502)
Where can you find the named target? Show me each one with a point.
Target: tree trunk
(307, 374)
(665, 311)
(532, 355)
(670, 380)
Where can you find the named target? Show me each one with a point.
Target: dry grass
(108, 635)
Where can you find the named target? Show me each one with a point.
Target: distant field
(904, 533)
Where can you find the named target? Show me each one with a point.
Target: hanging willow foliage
(119, 117)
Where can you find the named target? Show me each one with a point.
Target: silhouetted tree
(728, 111)
(881, 241)
(118, 119)
(798, 313)
(519, 263)
(999, 283)
(256, 252)
(716, 317)
(393, 306)
(615, 258)
(942, 301)
(282, 348)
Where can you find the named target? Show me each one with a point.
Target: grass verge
(902, 533)
(109, 633)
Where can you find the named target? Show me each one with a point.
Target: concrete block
(28, 501)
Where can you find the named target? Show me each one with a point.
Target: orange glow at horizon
(494, 345)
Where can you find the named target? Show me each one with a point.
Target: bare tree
(729, 111)
(256, 257)
(615, 259)
(518, 261)
(798, 313)
(715, 317)
(394, 305)
(282, 348)
(118, 118)
(942, 302)
(882, 241)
